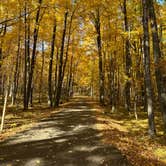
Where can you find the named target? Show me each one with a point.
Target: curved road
(68, 138)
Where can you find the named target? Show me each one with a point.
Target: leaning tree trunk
(2, 34)
(60, 74)
(5, 104)
(157, 57)
(4, 110)
(68, 43)
(148, 84)
(33, 60)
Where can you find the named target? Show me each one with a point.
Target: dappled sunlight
(107, 123)
(73, 136)
(96, 159)
(61, 140)
(85, 148)
(74, 110)
(83, 82)
(161, 153)
(37, 135)
(34, 162)
(69, 137)
(80, 128)
(130, 136)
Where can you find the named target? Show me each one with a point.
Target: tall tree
(16, 72)
(127, 58)
(50, 65)
(97, 23)
(148, 84)
(25, 57)
(60, 74)
(157, 58)
(42, 70)
(33, 60)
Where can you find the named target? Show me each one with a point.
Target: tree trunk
(2, 34)
(50, 101)
(56, 76)
(69, 81)
(4, 110)
(111, 79)
(4, 106)
(31, 95)
(68, 43)
(33, 60)
(157, 58)
(0, 69)
(128, 60)
(99, 45)
(41, 74)
(25, 59)
(148, 85)
(0, 56)
(60, 74)
(16, 72)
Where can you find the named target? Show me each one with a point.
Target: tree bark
(4, 110)
(0, 69)
(112, 81)
(128, 60)
(56, 75)
(41, 73)
(50, 99)
(148, 85)
(16, 72)
(157, 58)
(33, 60)
(2, 34)
(25, 59)
(60, 74)
(99, 45)
(4, 106)
(69, 78)
(68, 44)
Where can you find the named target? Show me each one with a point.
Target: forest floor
(80, 132)
(131, 137)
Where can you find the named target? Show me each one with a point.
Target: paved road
(68, 138)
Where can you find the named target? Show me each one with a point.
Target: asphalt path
(70, 137)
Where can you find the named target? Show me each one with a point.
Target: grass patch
(161, 154)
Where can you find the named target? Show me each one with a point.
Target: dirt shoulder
(19, 120)
(130, 136)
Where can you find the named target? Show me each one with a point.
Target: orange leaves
(139, 149)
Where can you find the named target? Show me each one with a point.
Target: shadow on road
(68, 138)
